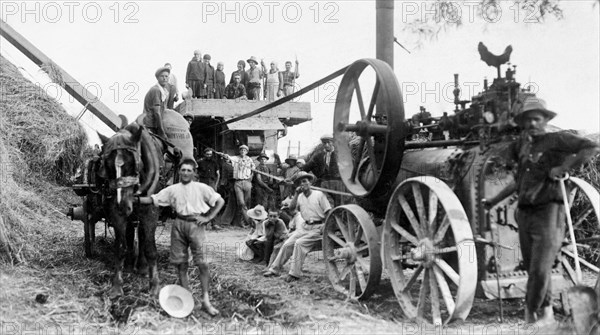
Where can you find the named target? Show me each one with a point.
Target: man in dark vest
(324, 166)
(542, 158)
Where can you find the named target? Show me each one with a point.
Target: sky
(113, 48)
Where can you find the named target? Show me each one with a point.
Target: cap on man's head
(327, 138)
(188, 115)
(241, 62)
(208, 150)
(167, 64)
(161, 70)
(243, 146)
(206, 56)
(532, 104)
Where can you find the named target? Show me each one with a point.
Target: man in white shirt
(196, 204)
(313, 206)
(242, 173)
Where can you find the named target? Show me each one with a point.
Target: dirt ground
(64, 292)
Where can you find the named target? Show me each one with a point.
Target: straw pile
(40, 148)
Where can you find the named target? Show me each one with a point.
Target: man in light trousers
(314, 207)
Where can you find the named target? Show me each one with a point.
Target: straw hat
(243, 146)
(534, 104)
(176, 301)
(244, 253)
(304, 175)
(301, 160)
(257, 213)
(252, 59)
(291, 158)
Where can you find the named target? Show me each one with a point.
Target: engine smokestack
(385, 31)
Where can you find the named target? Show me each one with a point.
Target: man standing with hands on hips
(542, 159)
(196, 204)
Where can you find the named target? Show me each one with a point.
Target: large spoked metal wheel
(584, 203)
(429, 252)
(372, 133)
(352, 251)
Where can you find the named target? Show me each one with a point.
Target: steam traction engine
(420, 185)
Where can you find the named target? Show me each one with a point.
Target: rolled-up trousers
(243, 194)
(297, 246)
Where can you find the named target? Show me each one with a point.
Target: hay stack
(40, 145)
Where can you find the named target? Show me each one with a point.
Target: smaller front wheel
(351, 247)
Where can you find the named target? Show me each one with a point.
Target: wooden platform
(290, 113)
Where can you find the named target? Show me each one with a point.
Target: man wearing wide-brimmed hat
(155, 102)
(313, 206)
(242, 173)
(542, 158)
(264, 192)
(255, 77)
(290, 172)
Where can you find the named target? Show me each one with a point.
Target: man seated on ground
(268, 234)
(313, 206)
(257, 215)
(195, 204)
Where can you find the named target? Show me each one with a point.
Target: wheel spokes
(373, 100)
(358, 237)
(411, 216)
(433, 202)
(413, 278)
(448, 270)
(359, 98)
(423, 294)
(404, 233)
(420, 208)
(336, 239)
(435, 300)
(342, 227)
(441, 232)
(351, 227)
(446, 294)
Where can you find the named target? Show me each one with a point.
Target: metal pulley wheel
(429, 252)
(351, 247)
(369, 167)
(584, 204)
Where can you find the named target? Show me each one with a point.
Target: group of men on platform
(206, 82)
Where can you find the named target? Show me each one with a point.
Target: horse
(131, 161)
